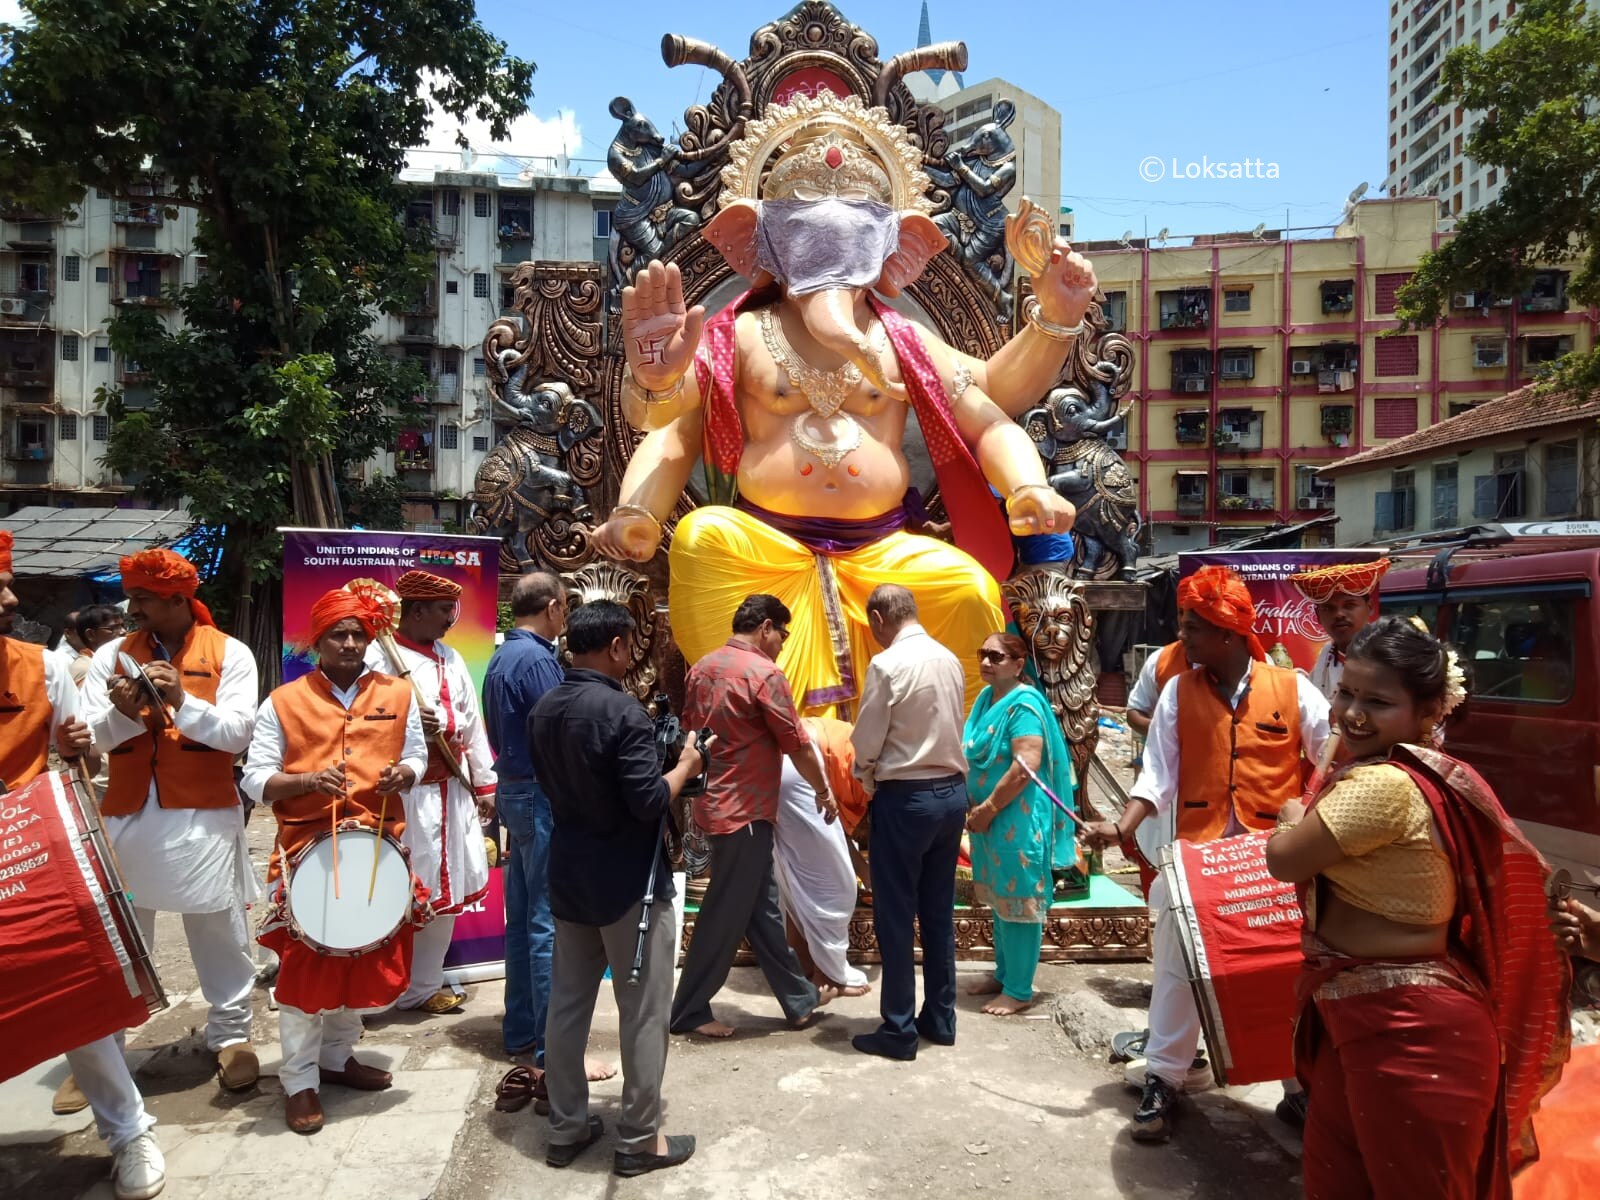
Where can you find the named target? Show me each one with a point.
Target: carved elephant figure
(646, 222)
(1069, 429)
(523, 482)
(980, 170)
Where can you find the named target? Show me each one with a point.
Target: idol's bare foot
(594, 1070)
(1007, 1006)
(987, 986)
(713, 1029)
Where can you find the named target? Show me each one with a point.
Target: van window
(1516, 647)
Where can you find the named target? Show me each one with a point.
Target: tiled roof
(67, 542)
(1524, 409)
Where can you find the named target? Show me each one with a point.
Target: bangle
(1023, 487)
(1034, 315)
(666, 396)
(1282, 827)
(637, 510)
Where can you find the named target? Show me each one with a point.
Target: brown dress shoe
(358, 1075)
(237, 1067)
(69, 1098)
(303, 1111)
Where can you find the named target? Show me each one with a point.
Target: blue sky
(1302, 86)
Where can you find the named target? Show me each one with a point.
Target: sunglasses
(994, 656)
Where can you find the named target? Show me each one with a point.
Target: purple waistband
(832, 535)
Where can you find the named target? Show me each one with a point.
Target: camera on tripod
(670, 740)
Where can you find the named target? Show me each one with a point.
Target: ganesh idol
(797, 396)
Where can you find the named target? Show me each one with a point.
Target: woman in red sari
(1433, 1003)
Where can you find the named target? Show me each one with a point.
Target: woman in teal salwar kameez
(1018, 834)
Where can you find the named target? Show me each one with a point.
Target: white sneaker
(138, 1171)
(1198, 1079)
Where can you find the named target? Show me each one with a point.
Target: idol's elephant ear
(733, 232)
(920, 240)
(1040, 427)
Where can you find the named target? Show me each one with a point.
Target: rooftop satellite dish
(1162, 236)
(1127, 237)
(1259, 231)
(1358, 193)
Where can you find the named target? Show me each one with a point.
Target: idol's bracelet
(666, 396)
(1034, 315)
(1024, 487)
(637, 510)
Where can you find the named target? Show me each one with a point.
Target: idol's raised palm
(659, 337)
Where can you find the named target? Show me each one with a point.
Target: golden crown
(821, 146)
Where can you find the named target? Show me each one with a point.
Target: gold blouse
(1381, 821)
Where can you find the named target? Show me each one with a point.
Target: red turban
(1218, 595)
(1350, 579)
(341, 605)
(421, 585)
(6, 542)
(164, 573)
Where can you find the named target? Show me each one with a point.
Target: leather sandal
(69, 1098)
(361, 1076)
(238, 1067)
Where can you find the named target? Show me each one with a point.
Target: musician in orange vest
(1226, 745)
(38, 706)
(338, 743)
(172, 811)
(1346, 597)
(443, 829)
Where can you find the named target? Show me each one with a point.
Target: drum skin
(344, 921)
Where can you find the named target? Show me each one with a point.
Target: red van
(1518, 602)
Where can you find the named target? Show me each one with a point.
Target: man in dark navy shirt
(593, 749)
(523, 669)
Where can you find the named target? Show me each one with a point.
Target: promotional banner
(315, 560)
(1286, 622)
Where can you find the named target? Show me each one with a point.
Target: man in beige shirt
(908, 756)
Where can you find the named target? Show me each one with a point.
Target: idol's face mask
(837, 242)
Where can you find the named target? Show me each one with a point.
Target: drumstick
(334, 810)
(377, 838)
(1324, 761)
(1027, 770)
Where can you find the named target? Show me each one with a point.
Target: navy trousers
(916, 839)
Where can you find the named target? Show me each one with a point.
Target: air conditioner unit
(12, 306)
(1464, 300)
(1117, 441)
(1194, 385)
(1306, 502)
(1489, 356)
(1300, 366)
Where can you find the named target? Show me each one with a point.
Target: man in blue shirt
(522, 670)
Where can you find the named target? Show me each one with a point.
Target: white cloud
(11, 13)
(530, 137)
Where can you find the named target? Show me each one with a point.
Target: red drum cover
(62, 984)
(1240, 930)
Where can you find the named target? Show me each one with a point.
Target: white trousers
(103, 1077)
(1174, 1018)
(314, 1042)
(220, 950)
(428, 948)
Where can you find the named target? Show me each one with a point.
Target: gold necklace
(825, 391)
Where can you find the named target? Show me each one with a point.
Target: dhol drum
(75, 966)
(1240, 932)
(342, 902)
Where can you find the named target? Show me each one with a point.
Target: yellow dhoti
(721, 555)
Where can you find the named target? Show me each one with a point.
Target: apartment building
(62, 279)
(1426, 140)
(1262, 358)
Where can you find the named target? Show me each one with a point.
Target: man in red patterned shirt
(740, 694)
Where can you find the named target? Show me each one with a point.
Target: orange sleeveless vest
(318, 732)
(186, 774)
(1171, 663)
(25, 713)
(1245, 762)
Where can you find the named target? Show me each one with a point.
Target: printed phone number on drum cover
(22, 868)
(1277, 901)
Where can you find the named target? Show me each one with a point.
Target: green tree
(1539, 90)
(284, 124)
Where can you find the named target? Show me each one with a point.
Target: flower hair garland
(1455, 679)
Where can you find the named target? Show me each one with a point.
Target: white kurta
(443, 832)
(1327, 671)
(185, 860)
(816, 880)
